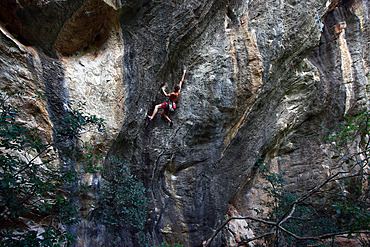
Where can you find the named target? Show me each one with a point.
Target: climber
(170, 104)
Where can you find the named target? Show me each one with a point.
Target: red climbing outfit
(172, 98)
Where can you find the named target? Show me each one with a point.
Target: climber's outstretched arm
(182, 79)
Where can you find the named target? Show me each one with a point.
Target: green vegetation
(337, 206)
(40, 182)
(35, 180)
(123, 202)
(309, 219)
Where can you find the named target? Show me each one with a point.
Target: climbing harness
(318, 18)
(171, 105)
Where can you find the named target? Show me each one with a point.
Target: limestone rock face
(21, 71)
(262, 79)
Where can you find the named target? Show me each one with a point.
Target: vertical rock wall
(262, 79)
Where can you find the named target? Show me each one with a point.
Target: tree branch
(236, 218)
(290, 212)
(272, 231)
(323, 236)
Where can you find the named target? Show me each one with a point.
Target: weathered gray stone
(261, 81)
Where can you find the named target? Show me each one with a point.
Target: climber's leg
(166, 117)
(156, 108)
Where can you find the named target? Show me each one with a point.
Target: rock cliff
(263, 79)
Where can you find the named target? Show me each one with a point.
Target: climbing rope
(318, 18)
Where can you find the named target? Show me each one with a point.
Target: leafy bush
(123, 201)
(307, 219)
(34, 183)
(337, 205)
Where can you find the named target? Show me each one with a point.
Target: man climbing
(170, 104)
